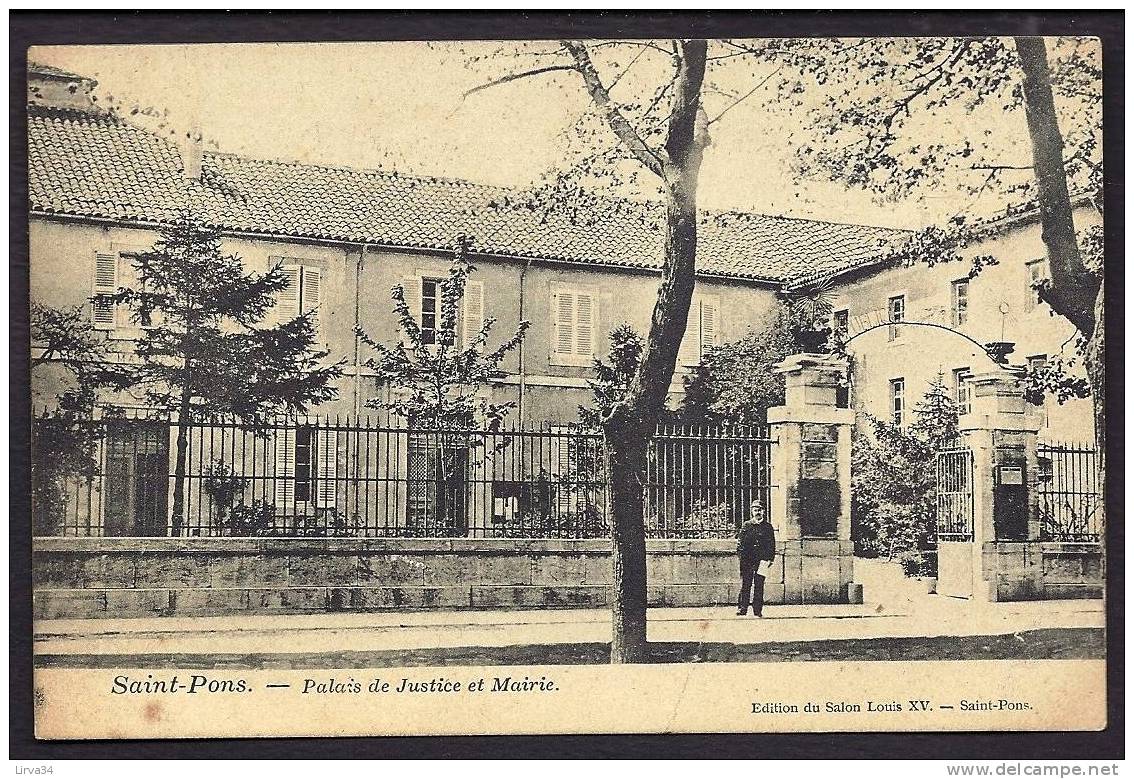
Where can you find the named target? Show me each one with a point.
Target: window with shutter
(564, 313)
(700, 330)
(472, 311)
(584, 325)
(574, 317)
(710, 322)
(103, 314)
(689, 351)
(411, 292)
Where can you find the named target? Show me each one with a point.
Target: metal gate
(955, 495)
(955, 522)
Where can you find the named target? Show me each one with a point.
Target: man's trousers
(751, 586)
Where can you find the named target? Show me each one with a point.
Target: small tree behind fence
(379, 476)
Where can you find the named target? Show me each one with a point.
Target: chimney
(49, 86)
(192, 153)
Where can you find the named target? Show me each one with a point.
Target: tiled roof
(53, 72)
(95, 165)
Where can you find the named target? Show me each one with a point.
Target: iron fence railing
(362, 476)
(1069, 493)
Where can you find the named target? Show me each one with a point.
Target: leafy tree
(900, 116)
(65, 437)
(736, 382)
(208, 345)
(434, 386)
(893, 492)
(658, 102)
(1054, 378)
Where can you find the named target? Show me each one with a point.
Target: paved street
(937, 627)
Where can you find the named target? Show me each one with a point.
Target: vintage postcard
(567, 386)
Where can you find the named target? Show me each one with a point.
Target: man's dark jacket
(756, 541)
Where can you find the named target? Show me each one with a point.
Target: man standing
(756, 547)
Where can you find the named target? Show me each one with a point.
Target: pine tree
(208, 344)
(935, 416)
(612, 381)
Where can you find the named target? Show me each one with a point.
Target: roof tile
(96, 165)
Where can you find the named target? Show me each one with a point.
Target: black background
(26, 29)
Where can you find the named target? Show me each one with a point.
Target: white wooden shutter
(710, 324)
(105, 283)
(327, 454)
(287, 304)
(584, 324)
(412, 287)
(690, 350)
(285, 470)
(563, 322)
(472, 311)
(312, 297)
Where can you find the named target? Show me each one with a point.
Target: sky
(399, 105)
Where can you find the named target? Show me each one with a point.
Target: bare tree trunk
(1075, 292)
(632, 421)
(626, 466)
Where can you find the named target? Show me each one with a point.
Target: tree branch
(516, 77)
(601, 96)
(746, 95)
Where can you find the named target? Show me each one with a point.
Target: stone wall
(1043, 570)
(132, 577)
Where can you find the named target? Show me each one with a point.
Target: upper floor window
(303, 293)
(897, 313)
(424, 296)
(1037, 274)
(897, 400)
(573, 317)
(430, 296)
(961, 393)
(960, 308)
(115, 270)
(701, 329)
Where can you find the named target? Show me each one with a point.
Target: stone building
(100, 186)
(894, 365)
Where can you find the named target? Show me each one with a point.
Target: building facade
(949, 317)
(101, 187)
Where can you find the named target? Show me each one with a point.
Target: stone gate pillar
(810, 496)
(1000, 430)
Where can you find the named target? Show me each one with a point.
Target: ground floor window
(137, 479)
(437, 482)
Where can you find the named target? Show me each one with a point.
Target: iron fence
(1069, 494)
(364, 476)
